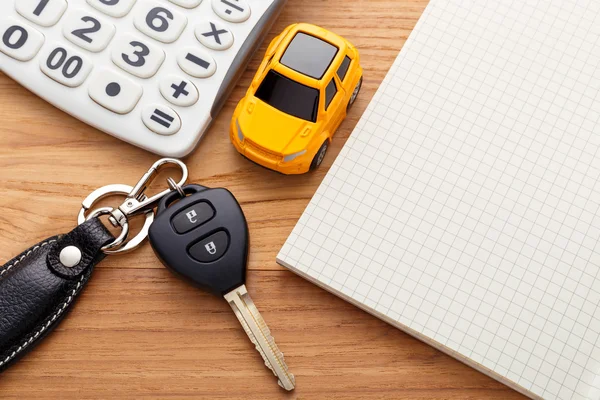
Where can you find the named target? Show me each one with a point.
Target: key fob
(203, 238)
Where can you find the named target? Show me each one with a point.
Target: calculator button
(214, 35)
(158, 22)
(139, 58)
(41, 12)
(87, 31)
(192, 217)
(161, 119)
(19, 41)
(179, 91)
(65, 65)
(232, 10)
(114, 91)
(187, 3)
(196, 62)
(210, 249)
(114, 8)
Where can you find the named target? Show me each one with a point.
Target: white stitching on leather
(46, 325)
(5, 270)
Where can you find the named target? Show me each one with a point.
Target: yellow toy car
(307, 81)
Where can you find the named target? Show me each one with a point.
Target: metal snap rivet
(70, 256)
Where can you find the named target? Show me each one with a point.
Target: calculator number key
(18, 40)
(136, 57)
(88, 32)
(41, 12)
(114, 8)
(65, 65)
(160, 23)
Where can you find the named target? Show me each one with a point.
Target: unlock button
(192, 217)
(210, 249)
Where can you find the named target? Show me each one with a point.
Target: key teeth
(266, 334)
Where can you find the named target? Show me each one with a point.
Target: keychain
(39, 286)
(201, 234)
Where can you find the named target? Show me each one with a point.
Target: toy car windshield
(289, 96)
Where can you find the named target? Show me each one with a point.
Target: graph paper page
(464, 208)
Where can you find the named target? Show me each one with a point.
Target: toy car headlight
(239, 131)
(292, 157)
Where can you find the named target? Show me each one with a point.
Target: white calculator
(153, 73)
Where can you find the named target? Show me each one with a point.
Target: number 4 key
(203, 238)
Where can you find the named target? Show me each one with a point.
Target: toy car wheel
(355, 93)
(320, 156)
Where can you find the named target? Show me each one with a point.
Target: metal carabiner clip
(136, 203)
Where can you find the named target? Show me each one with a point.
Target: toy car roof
(309, 55)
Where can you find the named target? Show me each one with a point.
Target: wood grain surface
(138, 332)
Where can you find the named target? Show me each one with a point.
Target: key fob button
(210, 249)
(192, 217)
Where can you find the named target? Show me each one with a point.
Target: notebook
(464, 208)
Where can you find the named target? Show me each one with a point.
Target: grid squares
(465, 205)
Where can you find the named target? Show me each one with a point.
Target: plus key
(179, 91)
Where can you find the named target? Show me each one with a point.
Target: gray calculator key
(214, 35)
(187, 3)
(196, 62)
(18, 40)
(65, 65)
(88, 30)
(114, 8)
(161, 119)
(114, 91)
(42, 12)
(232, 10)
(179, 91)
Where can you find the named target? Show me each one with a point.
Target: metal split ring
(115, 247)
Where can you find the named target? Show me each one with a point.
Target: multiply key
(204, 239)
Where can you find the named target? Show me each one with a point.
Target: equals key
(161, 119)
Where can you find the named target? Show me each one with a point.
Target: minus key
(196, 62)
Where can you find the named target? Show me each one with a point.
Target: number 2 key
(204, 239)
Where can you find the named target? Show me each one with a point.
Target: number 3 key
(204, 239)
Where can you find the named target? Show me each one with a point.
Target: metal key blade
(259, 333)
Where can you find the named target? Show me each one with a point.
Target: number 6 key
(203, 238)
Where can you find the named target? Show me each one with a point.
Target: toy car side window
(343, 69)
(330, 93)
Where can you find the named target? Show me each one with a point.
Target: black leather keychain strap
(37, 289)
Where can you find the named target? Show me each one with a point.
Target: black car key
(204, 239)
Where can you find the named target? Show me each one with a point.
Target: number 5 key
(203, 237)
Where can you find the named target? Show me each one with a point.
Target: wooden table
(138, 332)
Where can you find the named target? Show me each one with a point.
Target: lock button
(192, 217)
(211, 248)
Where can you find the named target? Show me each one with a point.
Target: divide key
(196, 62)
